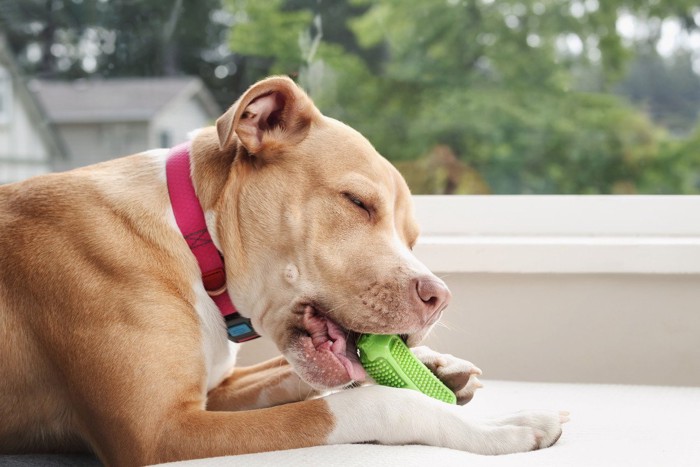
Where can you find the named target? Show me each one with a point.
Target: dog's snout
(433, 296)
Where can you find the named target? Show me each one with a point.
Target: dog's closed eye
(354, 199)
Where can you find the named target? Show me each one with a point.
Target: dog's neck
(190, 218)
(211, 167)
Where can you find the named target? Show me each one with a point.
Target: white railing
(560, 234)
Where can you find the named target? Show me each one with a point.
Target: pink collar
(190, 219)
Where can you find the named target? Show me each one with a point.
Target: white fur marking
(219, 352)
(210, 220)
(192, 134)
(159, 157)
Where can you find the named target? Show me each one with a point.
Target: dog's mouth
(329, 349)
(324, 352)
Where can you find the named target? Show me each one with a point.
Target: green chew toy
(390, 363)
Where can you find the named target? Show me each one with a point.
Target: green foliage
(116, 38)
(477, 96)
(668, 89)
(465, 96)
(256, 18)
(676, 168)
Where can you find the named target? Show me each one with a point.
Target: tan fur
(100, 340)
(265, 385)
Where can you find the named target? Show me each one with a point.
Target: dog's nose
(433, 297)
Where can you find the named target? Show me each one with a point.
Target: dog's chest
(219, 352)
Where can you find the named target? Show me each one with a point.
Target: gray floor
(48, 460)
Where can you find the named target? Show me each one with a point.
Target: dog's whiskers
(444, 325)
(337, 307)
(348, 332)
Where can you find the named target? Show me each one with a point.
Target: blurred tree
(440, 172)
(666, 87)
(71, 39)
(676, 169)
(489, 82)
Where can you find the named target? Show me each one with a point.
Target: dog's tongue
(347, 354)
(326, 335)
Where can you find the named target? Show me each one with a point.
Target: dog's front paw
(457, 374)
(546, 425)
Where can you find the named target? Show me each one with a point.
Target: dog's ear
(271, 112)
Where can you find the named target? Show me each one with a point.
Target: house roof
(120, 99)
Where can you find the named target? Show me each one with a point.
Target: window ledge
(584, 255)
(560, 234)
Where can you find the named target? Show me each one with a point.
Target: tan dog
(110, 343)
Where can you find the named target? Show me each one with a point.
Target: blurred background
(464, 96)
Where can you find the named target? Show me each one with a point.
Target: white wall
(602, 328)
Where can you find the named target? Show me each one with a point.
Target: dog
(112, 337)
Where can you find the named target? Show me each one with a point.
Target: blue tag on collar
(239, 328)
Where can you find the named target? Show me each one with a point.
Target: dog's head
(317, 230)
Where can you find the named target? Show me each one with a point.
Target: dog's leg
(267, 384)
(374, 413)
(399, 416)
(149, 428)
(457, 374)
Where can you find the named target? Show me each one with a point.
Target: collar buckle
(215, 282)
(217, 292)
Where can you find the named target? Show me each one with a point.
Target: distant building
(103, 119)
(28, 143)
(47, 126)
